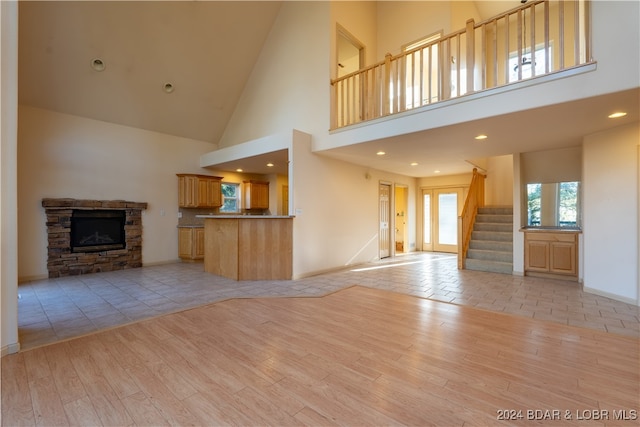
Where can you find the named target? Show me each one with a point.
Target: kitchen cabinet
(256, 194)
(199, 191)
(191, 243)
(551, 253)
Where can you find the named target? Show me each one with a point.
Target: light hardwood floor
(358, 356)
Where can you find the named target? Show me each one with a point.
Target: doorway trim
(342, 32)
(433, 192)
(385, 219)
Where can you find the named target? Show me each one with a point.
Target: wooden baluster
(457, 64)
(587, 30)
(471, 49)
(532, 35)
(386, 84)
(547, 52)
(495, 53)
(506, 47)
(576, 33)
(561, 31)
(519, 38)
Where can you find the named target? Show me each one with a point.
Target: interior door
(384, 234)
(446, 208)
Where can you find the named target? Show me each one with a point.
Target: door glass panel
(385, 213)
(448, 219)
(427, 218)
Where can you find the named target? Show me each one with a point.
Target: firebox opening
(97, 230)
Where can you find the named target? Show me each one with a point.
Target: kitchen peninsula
(248, 247)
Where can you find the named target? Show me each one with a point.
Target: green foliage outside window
(230, 196)
(564, 197)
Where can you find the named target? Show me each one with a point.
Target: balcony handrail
(422, 76)
(395, 57)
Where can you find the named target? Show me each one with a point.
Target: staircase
(491, 246)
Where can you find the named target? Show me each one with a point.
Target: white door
(445, 212)
(384, 234)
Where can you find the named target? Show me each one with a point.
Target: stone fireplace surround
(62, 262)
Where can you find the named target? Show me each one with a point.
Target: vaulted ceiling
(179, 67)
(205, 51)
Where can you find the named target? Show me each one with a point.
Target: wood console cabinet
(191, 243)
(199, 191)
(256, 194)
(551, 253)
(249, 247)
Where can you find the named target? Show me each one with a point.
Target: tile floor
(56, 309)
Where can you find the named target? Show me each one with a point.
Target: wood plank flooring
(359, 356)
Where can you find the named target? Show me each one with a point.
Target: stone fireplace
(90, 236)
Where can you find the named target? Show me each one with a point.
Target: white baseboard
(26, 279)
(10, 349)
(610, 295)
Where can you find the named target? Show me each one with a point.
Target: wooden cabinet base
(191, 244)
(551, 254)
(249, 248)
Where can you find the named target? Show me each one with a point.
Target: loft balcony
(539, 38)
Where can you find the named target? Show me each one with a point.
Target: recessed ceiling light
(479, 137)
(270, 165)
(381, 153)
(436, 171)
(617, 115)
(168, 87)
(414, 164)
(238, 170)
(97, 64)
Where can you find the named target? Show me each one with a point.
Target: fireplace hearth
(90, 236)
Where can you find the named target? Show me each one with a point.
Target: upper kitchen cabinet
(199, 191)
(256, 194)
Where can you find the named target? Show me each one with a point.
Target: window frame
(237, 197)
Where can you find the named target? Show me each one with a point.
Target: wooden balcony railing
(474, 200)
(537, 38)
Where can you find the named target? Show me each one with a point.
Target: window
(538, 63)
(230, 197)
(421, 72)
(553, 205)
(568, 204)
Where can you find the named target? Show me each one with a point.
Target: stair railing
(474, 200)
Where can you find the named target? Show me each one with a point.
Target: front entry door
(384, 234)
(445, 219)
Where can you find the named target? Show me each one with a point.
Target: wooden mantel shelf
(249, 247)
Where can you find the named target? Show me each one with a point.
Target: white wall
(499, 182)
(403, 22)
(359, 19)
(8, 177)
(550, 166)
(610, 191)
(289, 86)
(518, 203)
(336, 209)
(61, 156)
